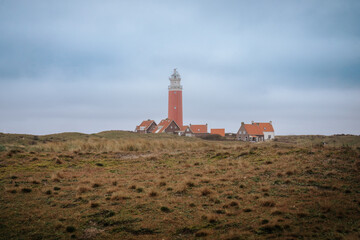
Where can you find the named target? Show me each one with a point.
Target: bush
(11, 190)
(269, 229)
(268, 204)
(165, 209)
(201, 233)
(205, 192)
(264, 221)
(214, 137)
(2, 148)
(153, 194)
(190, 184)
(94, 205)
(70, 229)
(26, 190)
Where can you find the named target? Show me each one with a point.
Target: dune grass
(120, 185)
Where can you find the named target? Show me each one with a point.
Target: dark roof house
(166, 125)
(146, 126)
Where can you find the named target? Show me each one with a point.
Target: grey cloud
(96, 65)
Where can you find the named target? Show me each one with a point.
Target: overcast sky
(90, 66)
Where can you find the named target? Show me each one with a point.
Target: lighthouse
(175, 99)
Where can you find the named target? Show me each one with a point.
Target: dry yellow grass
(116, 145)
(148, 187)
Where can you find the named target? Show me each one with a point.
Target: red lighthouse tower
(175, 99)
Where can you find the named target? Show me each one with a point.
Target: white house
(255, 132)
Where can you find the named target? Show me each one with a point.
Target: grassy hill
(122, 185)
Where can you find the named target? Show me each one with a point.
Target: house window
(269, 137)
(174, 107)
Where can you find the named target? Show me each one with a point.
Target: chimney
(252, 122)
(271, 122)
(242, 123)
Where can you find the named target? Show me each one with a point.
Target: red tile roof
(198, 128)
(253, 129)
(163, 125)
(183, 128)
(146, 124)
(266, 127)
(219, 131)
(258, 128)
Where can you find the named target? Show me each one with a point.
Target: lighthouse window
(174, 107)
(175, 92)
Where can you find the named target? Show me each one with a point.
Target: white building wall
(267, 134)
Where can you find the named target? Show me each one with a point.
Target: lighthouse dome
(175, 75)
(175, 81)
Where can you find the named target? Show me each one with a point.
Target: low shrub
(94, 205)
(118, 196)
(70, 229)
(153, 194)
(214, 137)
(205, 192)
(11, 190)
(269, 229)
(2, 148)
(165, 209)
(268, 204)
(201, 233)
(26, 190)
(264, 221)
